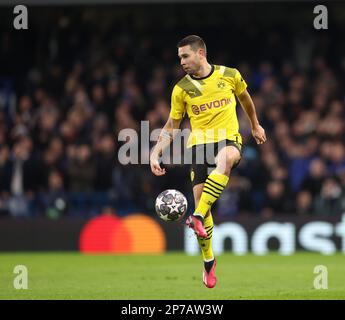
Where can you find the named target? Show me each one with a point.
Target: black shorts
(200, 171)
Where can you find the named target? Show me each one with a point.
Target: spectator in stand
(330, 200)
(314, 180)
(277, 199)
(20, 180)
(54, 200)
(304, 203)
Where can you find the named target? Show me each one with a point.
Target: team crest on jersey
(221, 84)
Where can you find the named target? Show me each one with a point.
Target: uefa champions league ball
(171, 205)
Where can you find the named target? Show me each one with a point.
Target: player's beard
(192, 71)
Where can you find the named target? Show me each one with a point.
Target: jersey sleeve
(240, 84)
(177, 110)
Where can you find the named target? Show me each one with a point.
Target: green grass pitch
(169, 276)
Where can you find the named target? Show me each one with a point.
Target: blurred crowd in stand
(87, 75)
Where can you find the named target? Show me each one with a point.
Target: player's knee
(226, 165)
(231, 161)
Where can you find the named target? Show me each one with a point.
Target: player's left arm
(247, 104)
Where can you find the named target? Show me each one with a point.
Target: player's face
(190, 60)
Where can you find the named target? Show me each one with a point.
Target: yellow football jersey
(210, 104)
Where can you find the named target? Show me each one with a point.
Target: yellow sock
(213, 187)
(206, 244)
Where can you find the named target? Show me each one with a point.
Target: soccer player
(207, 94)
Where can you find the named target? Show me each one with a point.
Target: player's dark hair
(194, 41)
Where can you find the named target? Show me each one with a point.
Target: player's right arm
(167, 134)
(164, 140)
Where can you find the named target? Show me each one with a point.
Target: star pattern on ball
(171, 205)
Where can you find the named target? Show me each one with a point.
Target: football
(171, 205)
